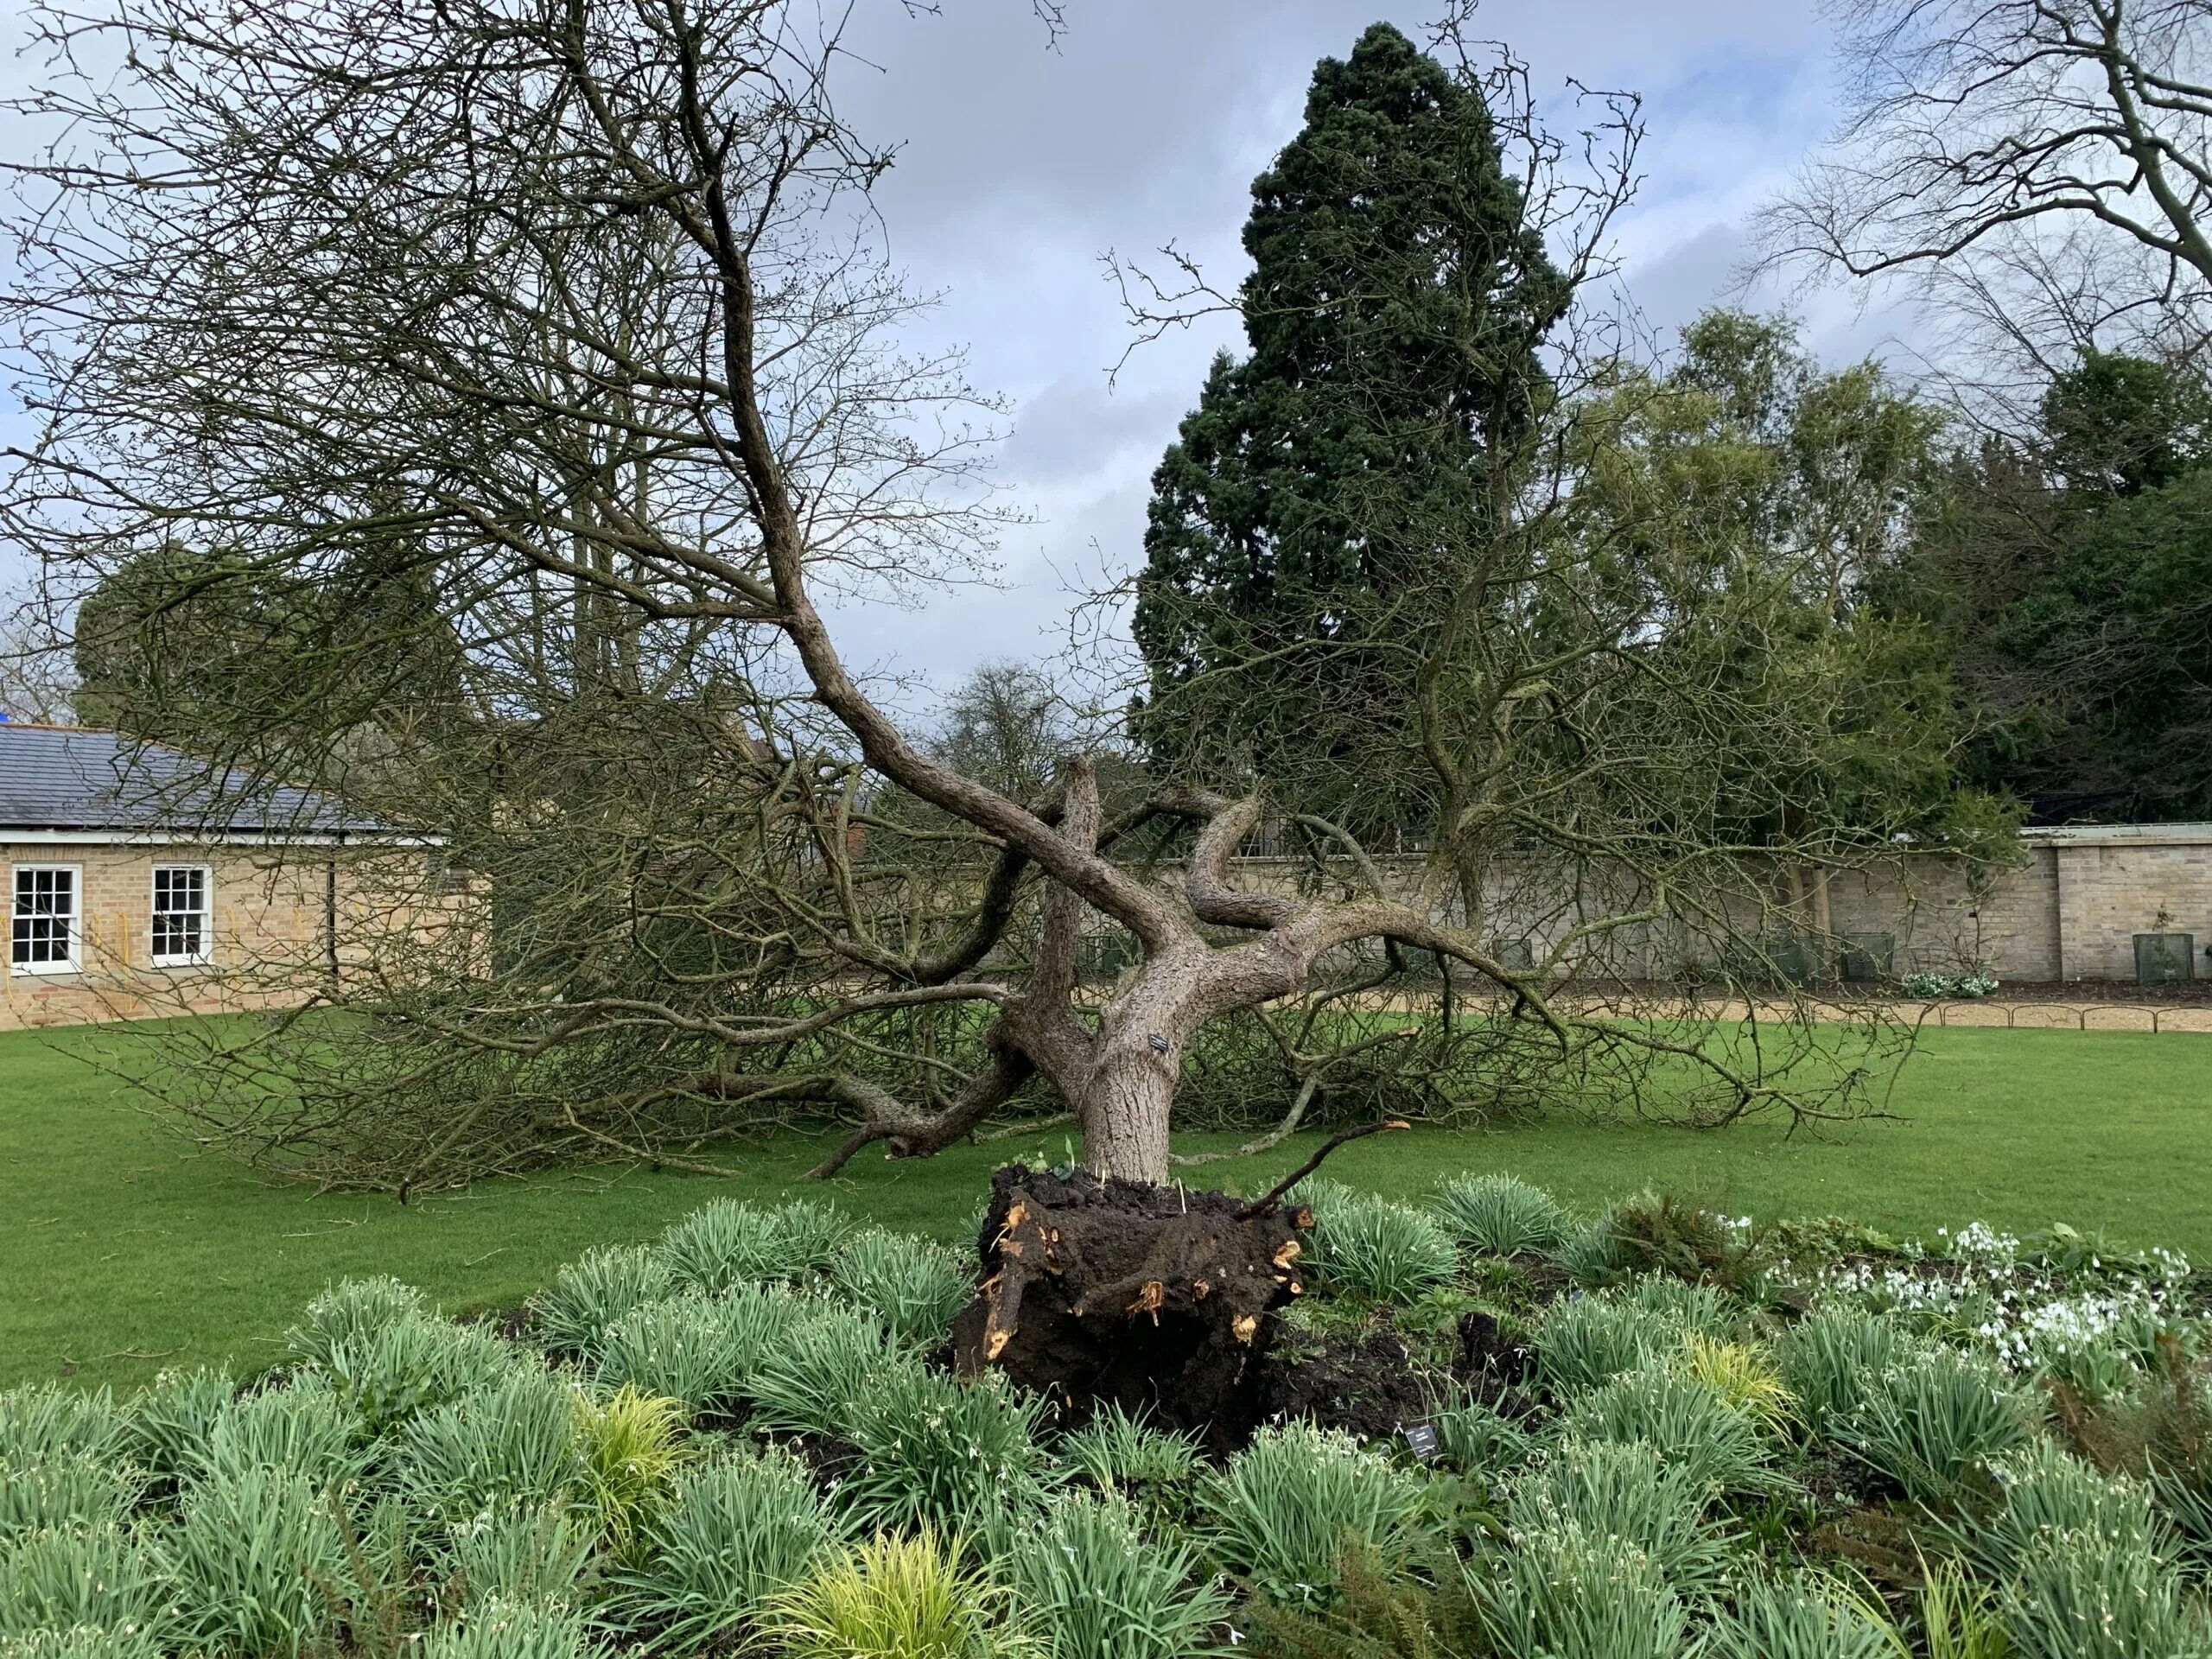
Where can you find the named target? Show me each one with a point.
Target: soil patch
(1490, 1364)
(1368, 1384)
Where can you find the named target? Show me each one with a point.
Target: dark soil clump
(1367, 1384)
(1493, 1367)
(1152, 1297)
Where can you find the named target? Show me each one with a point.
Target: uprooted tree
(548, 345)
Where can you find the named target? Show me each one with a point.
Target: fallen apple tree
(555, 335)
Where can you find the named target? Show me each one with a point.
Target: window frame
(205, 954)
(74, 962)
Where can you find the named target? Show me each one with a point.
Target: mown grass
(122, 1250)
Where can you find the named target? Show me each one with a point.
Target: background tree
(1398, 295)
(2044, 169)
(2067, 573)
(1007, 725)
(36, 682)
(1768, 503)
(201, 650)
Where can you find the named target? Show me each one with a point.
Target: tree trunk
(1124, 1105)
(1823, 927)
(1124, 1090)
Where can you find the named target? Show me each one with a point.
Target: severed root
(1149, 1297)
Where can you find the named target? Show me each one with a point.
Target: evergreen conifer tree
(1395, 309)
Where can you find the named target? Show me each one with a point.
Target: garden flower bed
(1488, 1427)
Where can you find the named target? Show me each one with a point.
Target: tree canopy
(2068, 573)
(564, 434)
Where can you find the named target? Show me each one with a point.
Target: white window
(43, 929)
(183, 922)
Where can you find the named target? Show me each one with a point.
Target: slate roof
(72, 778)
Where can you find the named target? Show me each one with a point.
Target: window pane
(43, 918)
(180, 909)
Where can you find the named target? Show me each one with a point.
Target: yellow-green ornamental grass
(896, 1598)
(631, 1447)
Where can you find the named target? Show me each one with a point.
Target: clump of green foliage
(592, 1294)
(349, 1314)
(252, 1561)
(913, 1285)
(1564, 1591)
(1282, 1511)
(168, 1427)
(1501, 1215)
(1368, 1245)
(1117, 1451)
(1611, 1489)
(736, 1533)
(1682, 1423)
(513, 1445)
(502, 1629)
(74, 1578)
(721, 1245)
(1092, 1585)
(1937, 1422)
(1806, 1615)
(1833, 1358)
(936, 1451)
(540, 1554)
(1586, 1341)
(411, 1363)
(687, 1348)
(816, 1378)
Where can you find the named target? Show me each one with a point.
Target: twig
(1267, 1200)
(656, 1159)
(1027, 1126)
(1267, 1142)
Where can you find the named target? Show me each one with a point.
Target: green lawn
(122, 1250)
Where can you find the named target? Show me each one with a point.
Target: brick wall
(1937, 921)
(267, 944)
(2069, 910)
(2110, 892)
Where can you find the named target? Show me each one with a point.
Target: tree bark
(1124, 1109)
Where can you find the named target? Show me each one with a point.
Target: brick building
(139, 885)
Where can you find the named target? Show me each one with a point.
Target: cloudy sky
(1021, 166)
(1147, 124)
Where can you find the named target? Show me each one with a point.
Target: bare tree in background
(2042, 168)
(36, 682)
(1007, 725)
(562, 332)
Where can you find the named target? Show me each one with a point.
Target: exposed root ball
(1149, 1297)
